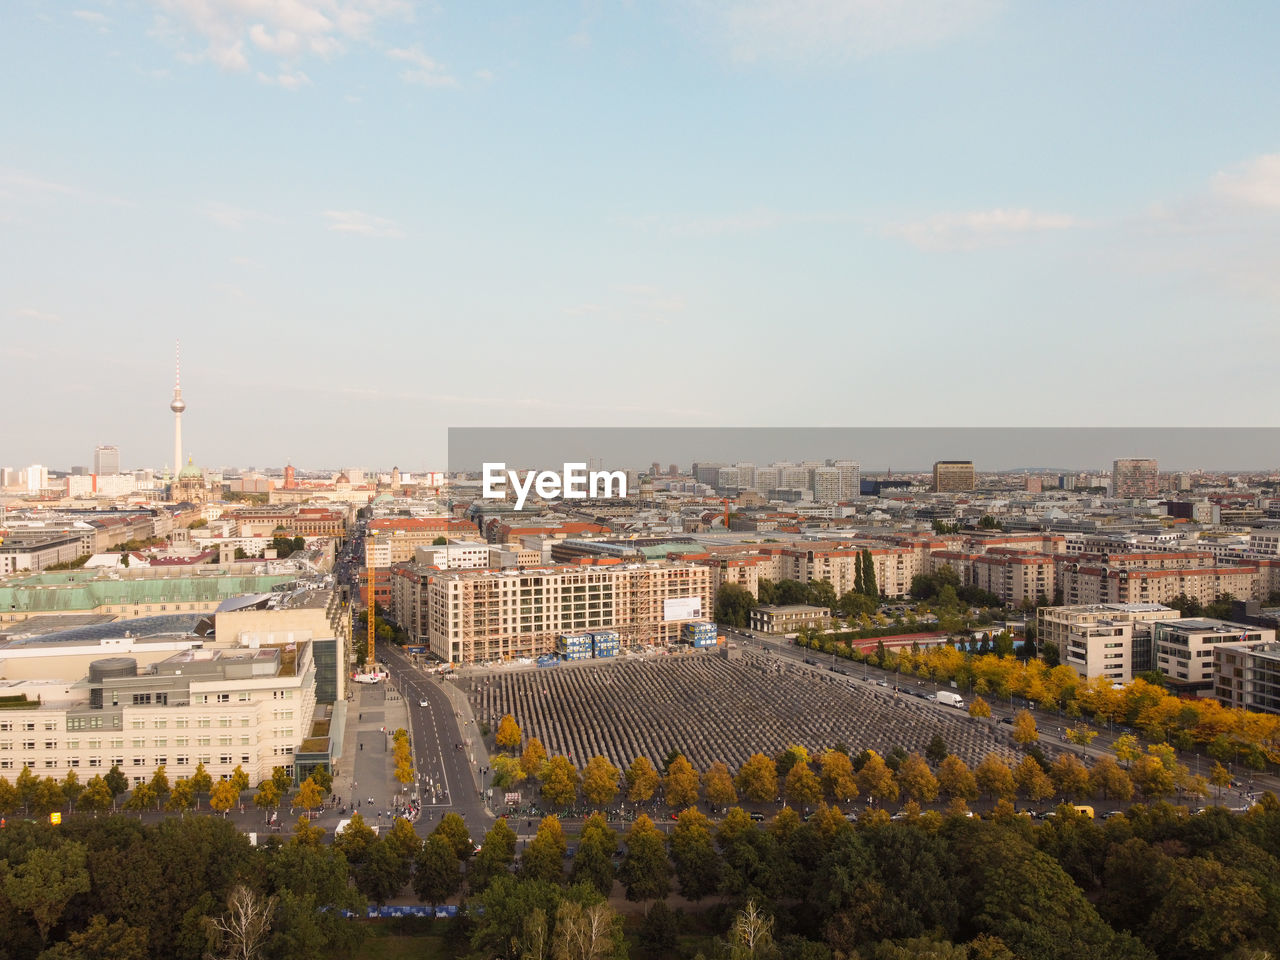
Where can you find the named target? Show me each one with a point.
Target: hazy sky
(369, 220)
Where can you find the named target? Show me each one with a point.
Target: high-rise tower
(177, 405)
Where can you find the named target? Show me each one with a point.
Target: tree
(642, 780)
(1024, 729)
(875, 780)
(243, 930)
(994, 778)
(533, 757)
(587, 932)
(45, 882)
(717, 786)
(96, 796)
(71, 789)
(201, 783)
(453, 830)
(751, 934)
(116, 781)
(543, 858)
(507, 771)
(1152, 777)
(757, 779)
(437, 873)
(1126, 748)
(279, 776)
(497, 853)
(509, 735)
(1070, 777)
(403, 841)
(838, 782)
(802, 787)
(600, 782)
(267, 797)
(1107, 780)
(645, 870)
(955, 780)
(734, 604)
(383, 873)
(101, 940)
(308, 797)
(680, 786)
(936, 751)
(560, 785)
(182, 797)
(979, 708)
(224, 796)
(659, 932)
(869, 575)
(355, 840)
(697, 864)
(1220, 777)
(593, 861)
(142, 798)
(1032, 780)
(916, 780)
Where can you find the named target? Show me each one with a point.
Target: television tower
(177, 405)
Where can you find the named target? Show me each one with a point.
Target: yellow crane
(369, 662)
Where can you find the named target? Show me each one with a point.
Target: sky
(372, 220)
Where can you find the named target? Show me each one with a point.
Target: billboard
(682, 608)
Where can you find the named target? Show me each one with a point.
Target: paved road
(446, 773)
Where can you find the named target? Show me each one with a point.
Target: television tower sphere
(178, 405)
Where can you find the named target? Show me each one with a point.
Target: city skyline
(885, 203)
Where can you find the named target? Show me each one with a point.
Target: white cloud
(804, 30)
(485, 76)
(19, 187)
(423, 70)
(32, 315)
(232, 217)
(632, 303)
(362, 224)
(1255, 184)
(746, 222)
(285, 29)
(966, 231)
(290, 81)
(91, 16)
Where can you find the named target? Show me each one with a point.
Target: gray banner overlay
(876, 449)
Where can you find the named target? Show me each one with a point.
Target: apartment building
(1098, 640)
(1082, 581)
(1247, 676)
(223, 708)
(1185, 649)
(1132, 478)
(953, 476)
(790, 618)
(401, 536)
(495, 615)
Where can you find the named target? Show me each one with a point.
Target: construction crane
(371, 609)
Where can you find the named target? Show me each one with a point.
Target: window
(137, 761)
(117, 742)
(161, 724)
(50, 764)
(204, 722)
(75, 761)
(224, 722)
(117, 761)
(73, 744)
(225, 758)
(243, 696)
(6, 726)
(138, 743)
(6, 764)
(51, 744)
(161, 761)
(244, 741)
(180, 724)
(224, 741)
(161, 741)
(203, 741)
(95, 761)
(182, 761)
(29, 725)
(6, 744)
(224, 698)
(95, 744)
(51, 724)
(28, 744)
